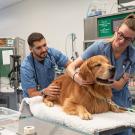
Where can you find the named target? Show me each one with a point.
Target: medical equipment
(71, 52)
(10, 66)
(74, 52)
(14, 75)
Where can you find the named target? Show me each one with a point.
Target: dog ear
(86, 72)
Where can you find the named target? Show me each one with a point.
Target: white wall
(54, 18)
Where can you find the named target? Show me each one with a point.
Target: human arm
(68, 63)
(51, 90)
(72, 68)
(27, 78)
(60, 59)
(33, 92)
(74, 74)
(118, 85)
(29, 83)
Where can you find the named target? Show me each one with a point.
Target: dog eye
(98, 65)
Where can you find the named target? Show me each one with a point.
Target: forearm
(68, 63)
(71, 69)
(33, 92)
(118, 85)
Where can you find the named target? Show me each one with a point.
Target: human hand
(80, 81)
(126, 77)
(52, 90)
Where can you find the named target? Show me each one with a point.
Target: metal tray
(8, 114)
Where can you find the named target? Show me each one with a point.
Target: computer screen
(116, 23)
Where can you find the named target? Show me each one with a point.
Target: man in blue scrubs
(121, 53)
(38, 68)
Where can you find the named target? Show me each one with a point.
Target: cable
(66, 45)
(75, 48)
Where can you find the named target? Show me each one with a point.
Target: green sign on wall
(4, 68)
(105, 25)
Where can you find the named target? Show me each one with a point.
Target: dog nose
(112, 69)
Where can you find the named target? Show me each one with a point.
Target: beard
(40, 56)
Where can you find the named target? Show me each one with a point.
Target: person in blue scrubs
(121, 53)
(38, 68)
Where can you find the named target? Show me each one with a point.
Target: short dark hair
(35, 36)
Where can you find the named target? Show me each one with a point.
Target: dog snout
(112, 70)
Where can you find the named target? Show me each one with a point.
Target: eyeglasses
(121, 36)
(40, 47)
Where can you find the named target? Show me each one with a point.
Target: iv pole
(73, 49)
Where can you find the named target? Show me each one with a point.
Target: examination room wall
(54, 18)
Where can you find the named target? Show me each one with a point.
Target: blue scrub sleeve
(92, 50)
(60, 58)
(27, 78)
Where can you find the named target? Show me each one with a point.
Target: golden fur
(90, 99)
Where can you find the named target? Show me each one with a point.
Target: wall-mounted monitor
(115, 24)
(106, 25)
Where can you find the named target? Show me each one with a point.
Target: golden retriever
(90, 99)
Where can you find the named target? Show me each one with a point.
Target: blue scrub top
(45, 72)
(102, 47)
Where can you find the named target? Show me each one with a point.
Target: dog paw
(50, 104)
(86, 116)
(118, 110)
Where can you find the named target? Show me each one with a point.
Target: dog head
(99, 69)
